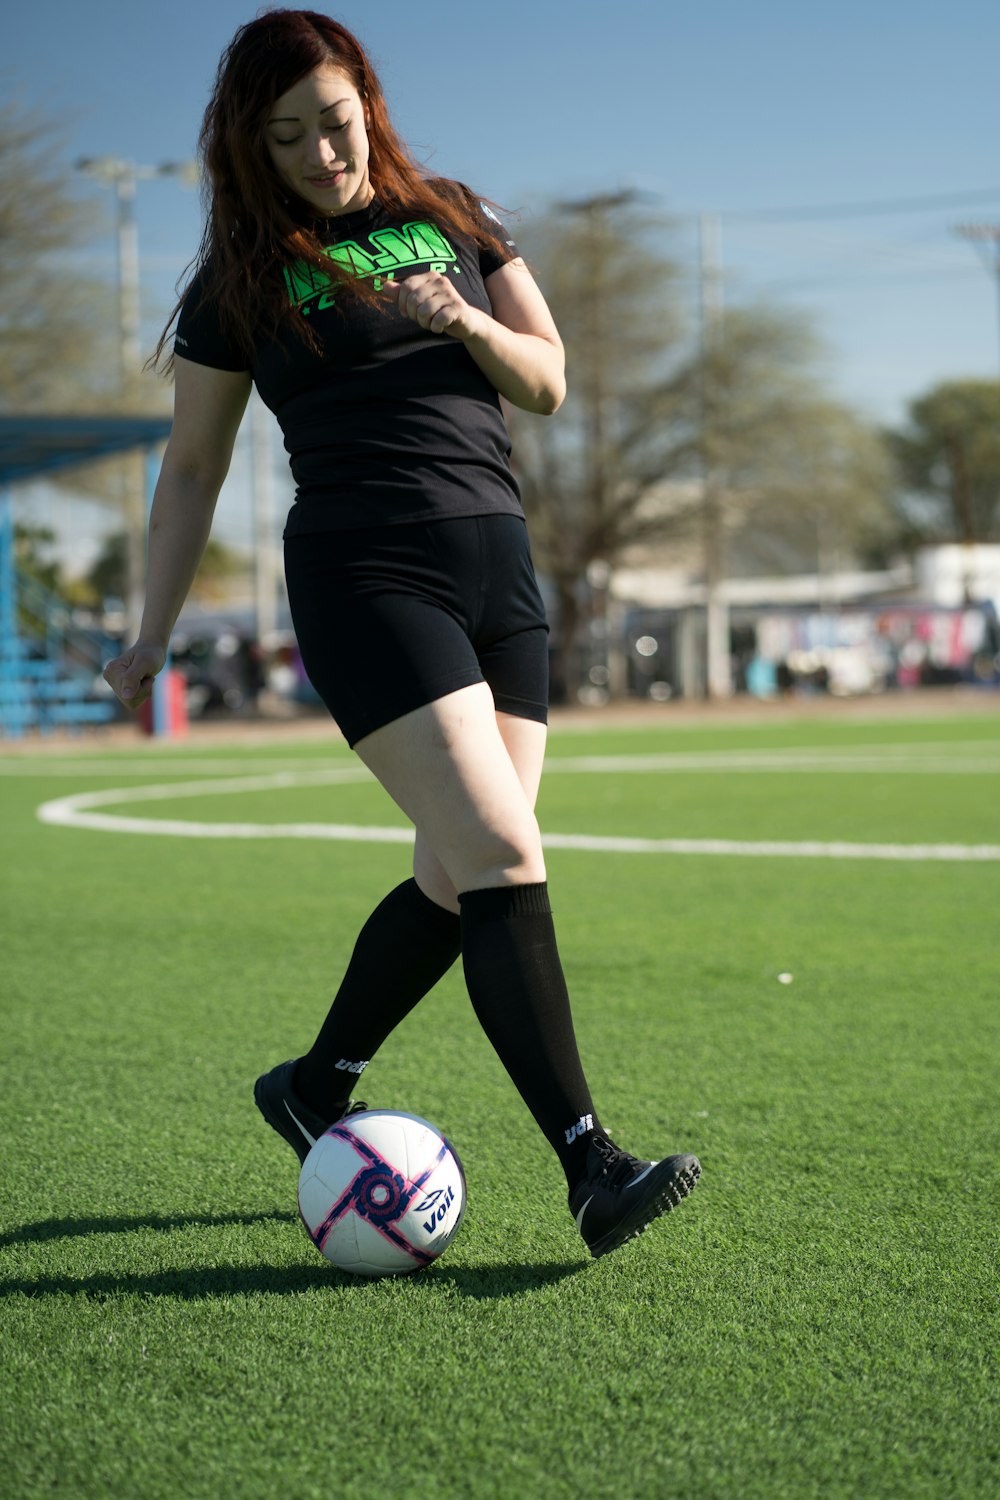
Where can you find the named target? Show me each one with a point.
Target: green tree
(219, 566)
(948, 460)
(31, 544)
(825, 502)
(108, 576)
(800, 482)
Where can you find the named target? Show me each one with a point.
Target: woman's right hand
(131, 674)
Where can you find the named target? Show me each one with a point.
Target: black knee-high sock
(518, 991)
(402, 951)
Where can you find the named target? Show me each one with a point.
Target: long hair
(253, 231)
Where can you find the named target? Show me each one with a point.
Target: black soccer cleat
(284, 1111)
(621, 1196)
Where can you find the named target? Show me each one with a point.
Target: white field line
(939, 758)
(770, 848)
(80, 811)
(774, 760)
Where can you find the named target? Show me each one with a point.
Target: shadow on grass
(206, 1282)
(197, 1282)
(58, 1229)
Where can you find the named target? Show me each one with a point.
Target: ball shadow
(193, 1283)
(58, 1229)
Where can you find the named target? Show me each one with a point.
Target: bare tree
(55, 352)
(661, 443)
(58, 325)
(606, 268)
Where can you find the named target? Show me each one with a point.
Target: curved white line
(78, 811)
(164, 791)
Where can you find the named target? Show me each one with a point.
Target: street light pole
(123, 178)
(718, 671)
(596, 212)
(128, 279)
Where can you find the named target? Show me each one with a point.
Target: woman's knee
(500, 856)
(447, 766)
(484, 857)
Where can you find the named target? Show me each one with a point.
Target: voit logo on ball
(437, 1205)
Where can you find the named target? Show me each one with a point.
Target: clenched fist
(433, 301)
(131, 674)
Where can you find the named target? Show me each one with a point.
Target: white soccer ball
(382, 1193)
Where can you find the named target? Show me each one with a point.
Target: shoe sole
(669, 1191)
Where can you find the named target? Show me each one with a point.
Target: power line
(870, 208)
(848, 279)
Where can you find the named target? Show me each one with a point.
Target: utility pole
(123, 178)
(596, 211)
(718, 672)
(986, 239)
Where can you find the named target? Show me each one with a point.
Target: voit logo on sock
(582, 1126)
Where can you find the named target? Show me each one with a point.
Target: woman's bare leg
(524, 740)
(448, 767)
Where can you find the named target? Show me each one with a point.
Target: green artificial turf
(820, 1319)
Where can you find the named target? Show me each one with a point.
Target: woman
(382, 313)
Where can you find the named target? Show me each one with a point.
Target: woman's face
(317, 138)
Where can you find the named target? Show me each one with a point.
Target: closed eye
(294, 139)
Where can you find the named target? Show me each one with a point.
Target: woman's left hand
(433, 301)
(516, 344)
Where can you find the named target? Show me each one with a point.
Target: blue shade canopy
(31, 447)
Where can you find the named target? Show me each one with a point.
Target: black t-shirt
(390, 423)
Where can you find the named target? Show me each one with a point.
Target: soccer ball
(381, 1193)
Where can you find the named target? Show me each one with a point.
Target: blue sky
(733, 109)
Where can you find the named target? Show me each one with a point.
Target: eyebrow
(289, 119)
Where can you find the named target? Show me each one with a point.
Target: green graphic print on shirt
(389, 250)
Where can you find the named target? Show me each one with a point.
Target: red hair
(252, 231)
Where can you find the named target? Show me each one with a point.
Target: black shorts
(392, 618)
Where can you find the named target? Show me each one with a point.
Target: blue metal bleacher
(50, 663)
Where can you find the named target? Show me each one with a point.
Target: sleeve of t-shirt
(199, 336)
(493, 256)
